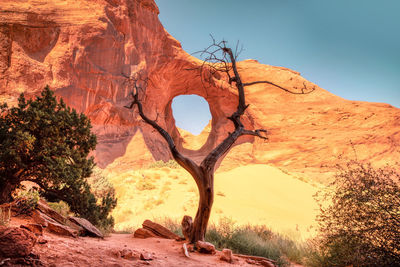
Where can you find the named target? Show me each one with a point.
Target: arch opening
(193, 120)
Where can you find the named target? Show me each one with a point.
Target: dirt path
(86, 251)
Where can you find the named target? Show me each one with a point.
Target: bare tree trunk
(206, 200)
(203, 174)
(6, 191)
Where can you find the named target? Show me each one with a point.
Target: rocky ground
(25, 241)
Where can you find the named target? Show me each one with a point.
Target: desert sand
(253, 194)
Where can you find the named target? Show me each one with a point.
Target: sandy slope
(256, 194)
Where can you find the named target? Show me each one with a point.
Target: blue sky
(348, 47)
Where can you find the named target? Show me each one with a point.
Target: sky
(348, 47)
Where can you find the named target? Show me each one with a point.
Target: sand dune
(255, 194)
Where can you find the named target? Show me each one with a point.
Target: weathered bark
(6, 190)
(206, 200)
(9, 184)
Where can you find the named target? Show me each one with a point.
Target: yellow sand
(255, 194)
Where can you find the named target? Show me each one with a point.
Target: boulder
(89, 229)
(205, 247)
(16, 242)
(159, 230)
(143, 233)
(226, 255)
(37, 229)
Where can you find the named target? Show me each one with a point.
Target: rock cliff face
(84, 51)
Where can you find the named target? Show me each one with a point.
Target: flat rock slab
(143, 233)
(61, 229)
(159, 230)
(89, 229)
(41, 218)
(45, 208)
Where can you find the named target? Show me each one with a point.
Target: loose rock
(37, 229)
(227, 255)
(146, 256)
(127, 254)
(185, 250)
(205, 247)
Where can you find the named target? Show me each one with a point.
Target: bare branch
(139, 86)
(304, 90)
(256, 133)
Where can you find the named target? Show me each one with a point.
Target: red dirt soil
(63, 251)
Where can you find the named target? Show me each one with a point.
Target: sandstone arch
(80, 72)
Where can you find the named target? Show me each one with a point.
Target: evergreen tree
(46, 142)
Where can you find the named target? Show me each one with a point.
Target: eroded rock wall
(84, 51)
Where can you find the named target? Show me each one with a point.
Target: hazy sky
(348, 47)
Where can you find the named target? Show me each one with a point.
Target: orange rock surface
(83, 51)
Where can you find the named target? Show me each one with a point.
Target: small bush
(255, 240)
(61, 207)
(145, 185)
(359, 221)
(249, 240)
(102, 200)
(172, 224)
(27, 200)
(159, 164)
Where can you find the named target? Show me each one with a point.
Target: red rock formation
(84, 50)
(15, 242)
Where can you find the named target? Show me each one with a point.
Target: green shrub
(257, 241)
(104, 194)
(27, 200)
(172, 224)
(44, 141)
(145, 185)
(249, 240)
(61, 207)
(359, 220)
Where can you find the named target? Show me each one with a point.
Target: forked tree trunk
(203, 174)
(206, 199)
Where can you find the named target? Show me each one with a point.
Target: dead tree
(218, 58)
